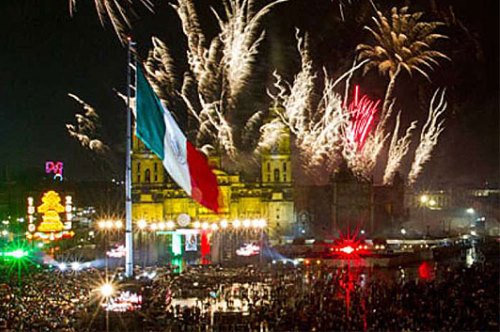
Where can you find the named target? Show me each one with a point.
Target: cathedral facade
(156, 198)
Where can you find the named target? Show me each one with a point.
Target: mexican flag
(188, 167)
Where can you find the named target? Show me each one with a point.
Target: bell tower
(277, 183)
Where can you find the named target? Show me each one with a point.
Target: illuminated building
(156, 198)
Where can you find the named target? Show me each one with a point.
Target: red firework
(362, 115)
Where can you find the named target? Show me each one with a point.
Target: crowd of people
(304, 298)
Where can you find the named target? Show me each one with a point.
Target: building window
(156, 167)
(138, 178)
(147, 176)
(284, 177)
(276, 175)
(284, 167)
(268, 177)
(138, 167)
(269, 167)
(156, 178)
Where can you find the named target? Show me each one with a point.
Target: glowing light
(142, 224)
(118, 224)
(170, 224)
(214, 227)
(75, 266)
(403, 231)
(62, 266)
(153, 226)
(236, 223)
(17, 254)
(101, 224)
(5, 232)
(348, 250)
(108, 224)
(470, 211)
(196, 224)
(204, 226)
(107, 290)
(223, 224)
(424, 199)
(161, 225)
(246, 223)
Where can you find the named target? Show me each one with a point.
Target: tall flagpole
(129, 241)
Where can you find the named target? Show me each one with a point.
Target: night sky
(46, 54)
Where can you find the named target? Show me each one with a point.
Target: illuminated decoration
(55, 167)
(51, 228)
(176, 244)
(51, 207)
(205, 244)
(248, 249)
(191, 242)
(68, 209)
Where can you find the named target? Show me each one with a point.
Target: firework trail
(429, 135)
(240, 39)
(295, 100)
(159, 67)
(116, 11)
(86, 127)
(398, 149)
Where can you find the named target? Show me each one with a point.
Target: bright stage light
(107, 290)
(17, 254)
(62, 266)
(75, 266)
(347, 249)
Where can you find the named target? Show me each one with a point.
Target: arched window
(276, 175)
(284, 166)
(138, 167)
(156, 167)
(147, 176)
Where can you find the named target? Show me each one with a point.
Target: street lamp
(403, 231)
(424, 199)
(470, 211)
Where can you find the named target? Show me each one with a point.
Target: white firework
(85, 130)
(240, 37)
(116, 11)
(398, 149)
(429, 135)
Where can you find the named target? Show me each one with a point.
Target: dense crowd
(307, 298)
(326, 299)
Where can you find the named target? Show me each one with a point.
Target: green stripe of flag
(149, 116)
